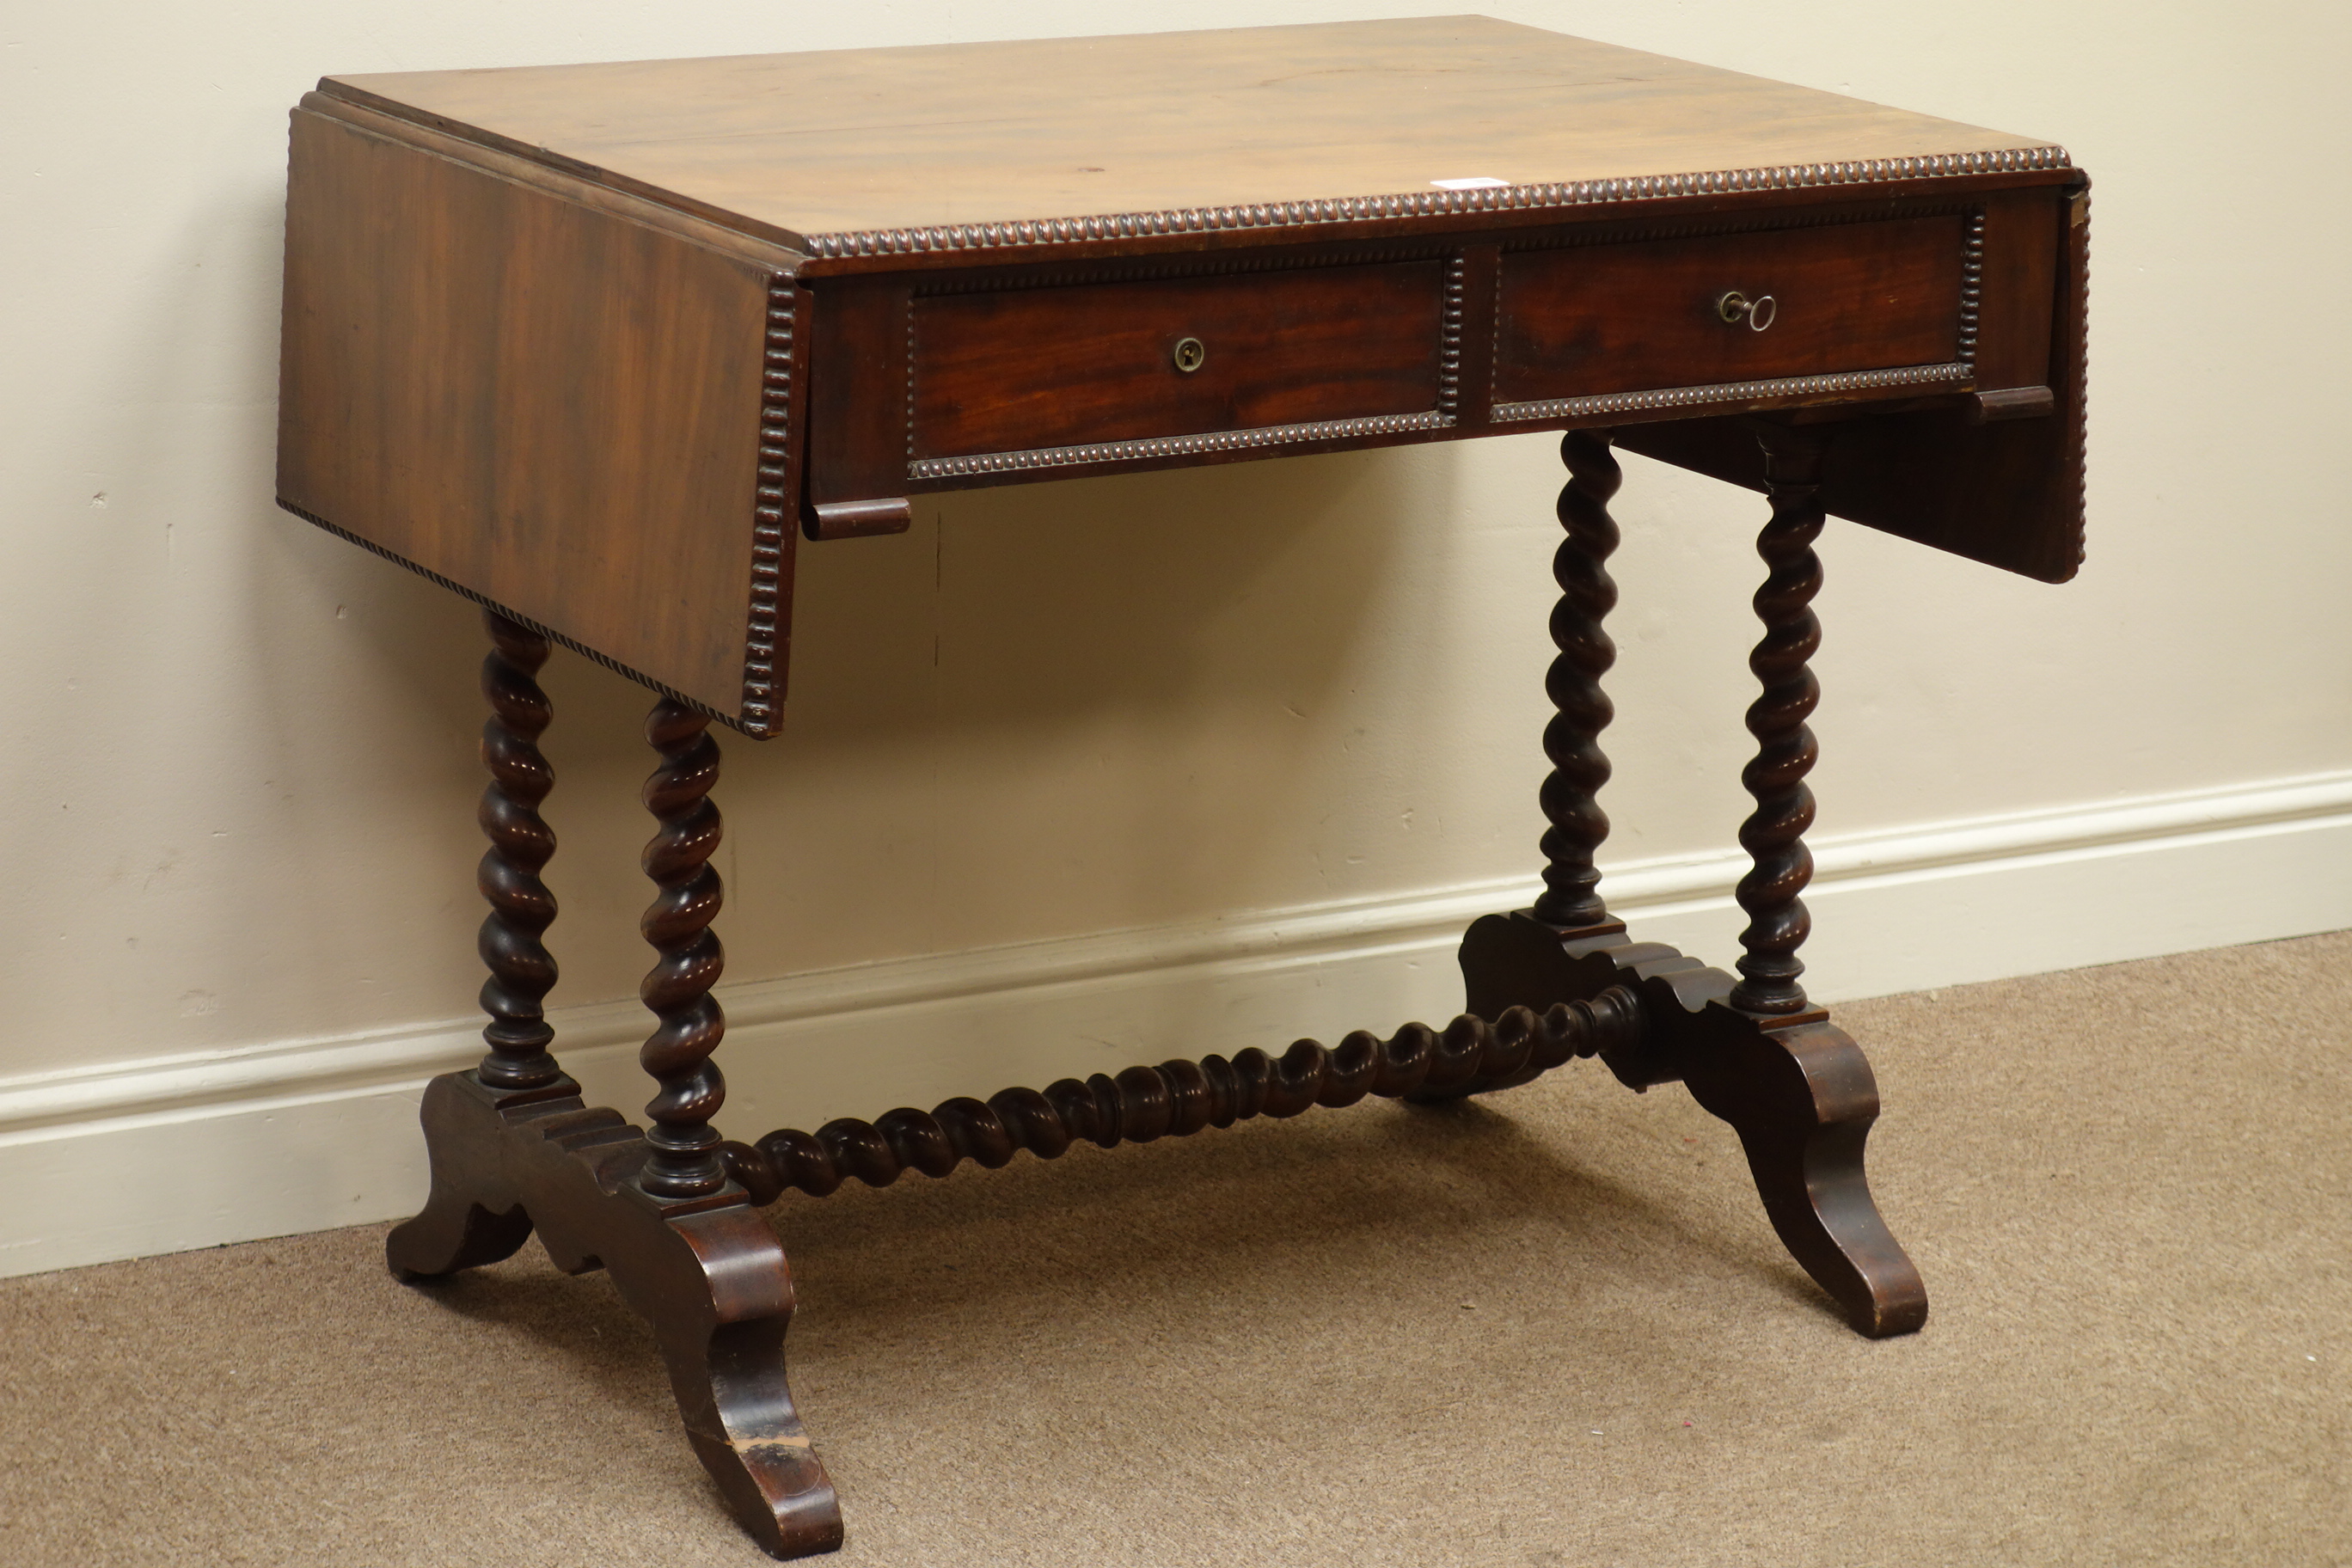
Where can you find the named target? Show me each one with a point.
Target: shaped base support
(707, 1273)
(1798, 1092)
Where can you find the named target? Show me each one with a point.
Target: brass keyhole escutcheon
(1757, 313)
(1190, 354)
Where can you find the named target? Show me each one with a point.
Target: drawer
(1014, 368)
(1593, 320)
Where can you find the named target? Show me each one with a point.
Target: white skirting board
(195, 1151)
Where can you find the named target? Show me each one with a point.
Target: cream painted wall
(237, 805)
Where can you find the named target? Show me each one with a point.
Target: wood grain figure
(573, 338)
(599, 346)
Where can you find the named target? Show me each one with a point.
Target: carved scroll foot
(473, 1215)
(1803, 1099)
(706, 1273)
(1798, 1092)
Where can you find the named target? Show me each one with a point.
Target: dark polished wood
(1774, 834)
(859, 155)
(523, 970)
(706, 1274)
(1571, 741)
(1585, 319)
(2007, 492)
(478, 380)
(997, 370)
(1178, 1098)
(597, 345)
(514, 1149)
(685, 1160)
(1801, 1096)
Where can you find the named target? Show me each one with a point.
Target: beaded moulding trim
(1449, 366)
(772, 507)
(1424, 203)
(2078, 349)
(1174, 445)
(1732, 392)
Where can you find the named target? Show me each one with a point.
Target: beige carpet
(1547, 1329)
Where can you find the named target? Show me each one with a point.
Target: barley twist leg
(523, 970)
(1774, 835)
(471, 1217)
(685, 1160)
(1571, 741)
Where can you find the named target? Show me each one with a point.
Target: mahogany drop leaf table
(599, 346)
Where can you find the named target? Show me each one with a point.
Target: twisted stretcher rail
(1179, 1098)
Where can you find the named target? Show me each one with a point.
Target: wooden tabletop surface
(865, 139)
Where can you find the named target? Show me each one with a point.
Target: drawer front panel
(1594, 320)
(1020, 368)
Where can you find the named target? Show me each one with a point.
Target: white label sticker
(1475, 182)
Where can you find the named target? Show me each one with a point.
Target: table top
(812, 150)
(595, 344)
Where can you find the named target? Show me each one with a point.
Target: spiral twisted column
(523, 970)
(1179, 1098)
(685, 1159)
(1571, 897)
(1773, 834)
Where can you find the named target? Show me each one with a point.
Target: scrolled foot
(1802, 1100)
(706, 1273)
(1799, 1092)
(720, 1298)
(451, 1234)
(473, 1215)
